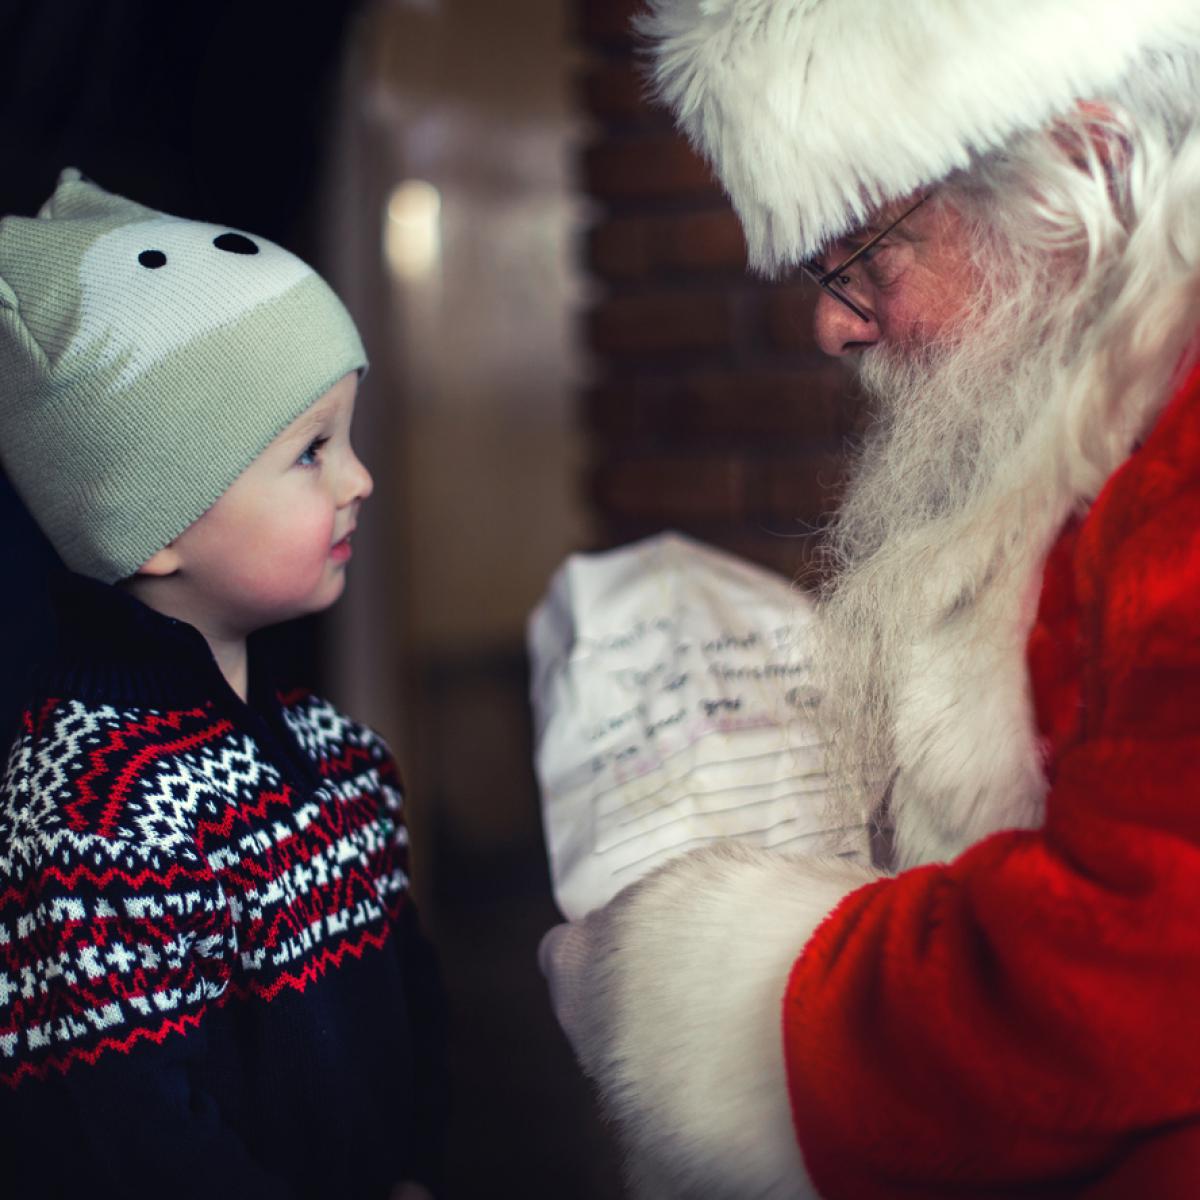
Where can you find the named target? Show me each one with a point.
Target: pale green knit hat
(145, 362)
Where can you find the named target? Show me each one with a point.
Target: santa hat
(812, 112)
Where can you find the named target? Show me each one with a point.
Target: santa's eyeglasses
(837, 277)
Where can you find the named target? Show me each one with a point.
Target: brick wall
(710, 409)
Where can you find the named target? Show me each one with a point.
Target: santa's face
(970, 344)
(913, 286)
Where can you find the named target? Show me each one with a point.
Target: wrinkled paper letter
(673, 701)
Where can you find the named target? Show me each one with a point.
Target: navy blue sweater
(212, 982)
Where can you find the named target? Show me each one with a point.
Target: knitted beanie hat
(814, 111)
(145, 362)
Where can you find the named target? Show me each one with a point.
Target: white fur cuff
(694, 964)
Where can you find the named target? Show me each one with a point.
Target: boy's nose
(359, 485)
(368, 484)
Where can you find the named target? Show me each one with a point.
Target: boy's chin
(327, 594)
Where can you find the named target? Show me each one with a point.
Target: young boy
(211, 977)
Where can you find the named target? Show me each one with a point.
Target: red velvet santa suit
(1016, 1020)
(1029, 1012)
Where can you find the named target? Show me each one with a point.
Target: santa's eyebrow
(861, 236)
(871, 239)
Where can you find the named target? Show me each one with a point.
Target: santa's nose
(838, 331)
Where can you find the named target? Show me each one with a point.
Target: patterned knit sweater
(211, 978)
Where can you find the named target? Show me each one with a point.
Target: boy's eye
(312, 453)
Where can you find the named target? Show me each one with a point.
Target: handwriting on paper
(675, 695)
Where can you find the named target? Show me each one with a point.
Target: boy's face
(276, 544)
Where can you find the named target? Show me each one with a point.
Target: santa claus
(1001, 202)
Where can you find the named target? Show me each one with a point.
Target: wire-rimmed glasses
(827, 279)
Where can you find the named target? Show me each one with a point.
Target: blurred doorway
(452, 205)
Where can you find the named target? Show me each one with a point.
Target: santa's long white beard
(938, 547)
(981, 452)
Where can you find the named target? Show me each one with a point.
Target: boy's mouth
(341, 550)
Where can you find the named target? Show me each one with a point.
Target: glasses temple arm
(828, 287)
(824, 280)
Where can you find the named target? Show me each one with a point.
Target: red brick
(788, 495)
(805, 488)
(666, 322)
(671, 488)
(702, 241)
(646, 168)
(621, 249)
(693, 242)
(742, 458)
(801, 406)
(790, 316)
(606, 20)
(618, 91)
(798, 406)
(795, 555)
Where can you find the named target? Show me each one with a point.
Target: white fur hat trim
(814, 111)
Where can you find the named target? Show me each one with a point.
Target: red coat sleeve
(1023, 1020)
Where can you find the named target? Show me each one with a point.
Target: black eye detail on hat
(152, 259)
(235, 243)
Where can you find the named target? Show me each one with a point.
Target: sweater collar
(111, 647)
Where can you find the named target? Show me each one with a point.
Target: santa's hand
(574, 958)
(563, 956)
(671, 997)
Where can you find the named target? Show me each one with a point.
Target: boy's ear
(166, 561)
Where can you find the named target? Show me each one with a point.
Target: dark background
(215, 111)
(222, 111)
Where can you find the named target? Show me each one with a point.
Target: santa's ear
(166, 561)
(1094, 138)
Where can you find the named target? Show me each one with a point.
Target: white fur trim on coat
(692, 965)
(814, 111)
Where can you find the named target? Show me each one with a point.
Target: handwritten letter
(673, 696)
